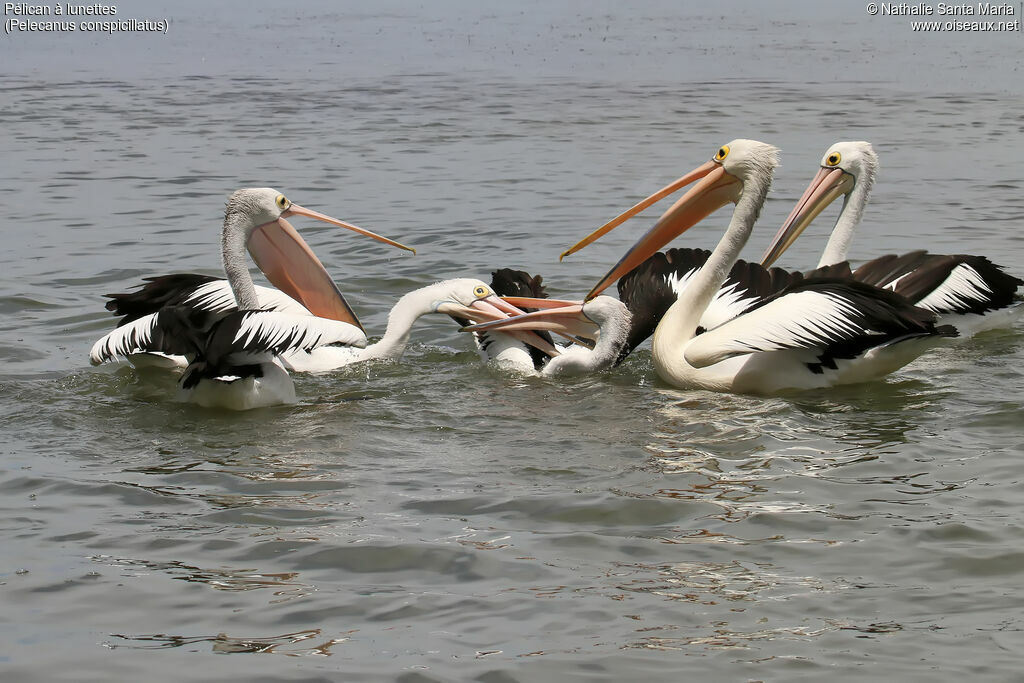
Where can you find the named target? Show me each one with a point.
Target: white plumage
(809, 319)
(728, 302)
(216, 297)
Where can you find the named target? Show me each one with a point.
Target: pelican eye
(723, 152)
(833, 159)
(480, 292)
(282, 202)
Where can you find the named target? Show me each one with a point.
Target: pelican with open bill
(815, 333)
(605, 319)
(653, 283)
(233, 352)
(303, 285)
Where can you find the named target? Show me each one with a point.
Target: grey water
(437, 519)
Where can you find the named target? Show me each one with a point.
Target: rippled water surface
(435, 519)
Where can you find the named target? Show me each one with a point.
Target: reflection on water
(283, 585)
(725, 638)
(222, 643)
(709, 583)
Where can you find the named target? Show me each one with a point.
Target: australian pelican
(814, 333)
(969, 292)
(233, 355)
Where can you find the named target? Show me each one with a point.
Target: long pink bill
(584, 337)
(567, 320)
(296, 210)
(715, 189)
(291, 266)
(492, 309)
(640, 206)
(828, 184)
(523, 302)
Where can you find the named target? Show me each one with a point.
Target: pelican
(304, 286)
(645, 294)
(654, 285)
(464, 299)
(620, 325)
(969, 292)
(530, 349)
(603, 318)
(519, 352)
(651, 288)
(815, 333)
(233, 356)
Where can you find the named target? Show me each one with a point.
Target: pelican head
(751, 161)
(468, 299)
(255, 206)
(255, 219)
(739, 172)
(463, 297)
(846, 166)
(603, 318)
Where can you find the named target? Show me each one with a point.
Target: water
(438, 520)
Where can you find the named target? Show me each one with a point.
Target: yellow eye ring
(282, 202)
(480, 292)
(723, 152)
(833, 159)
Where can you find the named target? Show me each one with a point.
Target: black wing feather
(838, 271)
(885, 269)
(647, 294)
(175, 330)
(511, 282)
(157, 293)
(890, 317)
(1001, 285)
(917, 274)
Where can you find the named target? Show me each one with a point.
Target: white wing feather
(283, 332)
(257, 331)
(134, 337)
(729, 301)
(217, 297)
(806, 319)
(963, 285)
